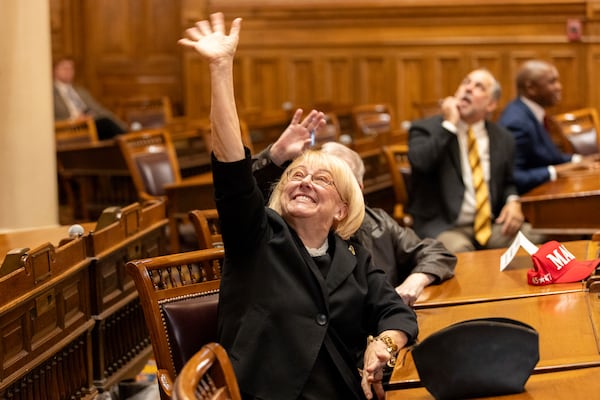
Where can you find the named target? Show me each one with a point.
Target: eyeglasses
(320, 177)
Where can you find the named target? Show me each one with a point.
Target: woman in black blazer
(301, 307)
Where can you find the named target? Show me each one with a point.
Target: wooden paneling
(307, 52)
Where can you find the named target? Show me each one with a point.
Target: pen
(312, 137)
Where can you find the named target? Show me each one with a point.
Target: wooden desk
(95, 175)
(567, 325)
(478, 278)
(582, 383)
(568, 205)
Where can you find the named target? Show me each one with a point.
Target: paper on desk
(520, 241)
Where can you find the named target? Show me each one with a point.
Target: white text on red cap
(560, 257)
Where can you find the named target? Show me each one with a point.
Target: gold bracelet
(391, 347)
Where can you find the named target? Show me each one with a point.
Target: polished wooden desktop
(478, 278)
(576, 384)
(566, 316)
(568, 205)
(565, 322)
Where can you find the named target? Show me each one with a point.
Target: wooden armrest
(401, 217)
(165, 382)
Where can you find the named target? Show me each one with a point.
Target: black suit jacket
(276, 310)
(437, 184)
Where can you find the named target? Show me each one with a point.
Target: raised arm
(210, 41)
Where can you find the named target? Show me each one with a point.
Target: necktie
(546, 121)
(76, 101)
(483, 214)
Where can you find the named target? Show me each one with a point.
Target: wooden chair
(75, 132)
(153, 164)
(372, 119)
(70, 134)
(427, 108)
(208, 375)
(580, 130)
(151, 160)
(179, 296)
(148, 112)
(399, 167)
(206, 225)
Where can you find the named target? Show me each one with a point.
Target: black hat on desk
(477, 358)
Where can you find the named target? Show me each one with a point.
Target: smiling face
(476, 96)
(310, 193)
(319, 192)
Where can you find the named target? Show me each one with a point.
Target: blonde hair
(345, 184)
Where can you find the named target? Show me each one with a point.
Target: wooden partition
(120, 337)
(405, 53)
(45, 323)
(70, 320)
(330, 53)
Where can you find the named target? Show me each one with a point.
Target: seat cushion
(156, 171)
(190, 324)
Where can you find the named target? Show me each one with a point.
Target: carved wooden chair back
(399, 167)
(75, 132)
(207, 227)
(372, 119)
(208, 375)
(151, 160)
(179, 296)
(581, 130)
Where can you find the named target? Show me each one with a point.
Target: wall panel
(339, 52)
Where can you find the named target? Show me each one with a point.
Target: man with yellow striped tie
(463, 190)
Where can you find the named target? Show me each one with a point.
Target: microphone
(76, 231)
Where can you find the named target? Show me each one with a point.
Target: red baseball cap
(553, 263)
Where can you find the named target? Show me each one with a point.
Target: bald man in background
(537, 158)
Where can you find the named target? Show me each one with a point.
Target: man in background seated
(537, 158)
(72, 102)
(410, 263)
(463, 191)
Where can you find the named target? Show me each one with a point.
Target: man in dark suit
(72, 102)
(443, 199)
(537, 158)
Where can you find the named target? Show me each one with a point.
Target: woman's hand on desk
(381, 351)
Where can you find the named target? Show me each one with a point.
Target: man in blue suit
(537, 158)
